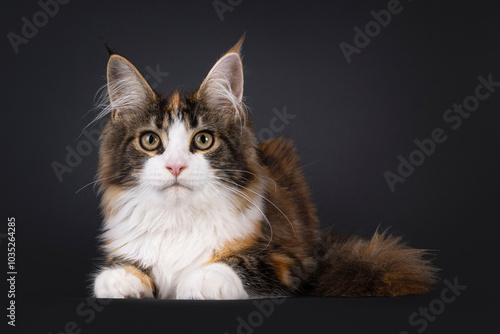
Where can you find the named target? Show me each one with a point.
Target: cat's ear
(223, 86)
(128, 91)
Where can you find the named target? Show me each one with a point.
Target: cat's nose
(175, 169)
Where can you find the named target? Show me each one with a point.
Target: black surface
(468, 313)
(352, 122)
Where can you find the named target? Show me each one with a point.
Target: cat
(195, 208)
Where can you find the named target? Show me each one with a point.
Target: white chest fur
(173, 239)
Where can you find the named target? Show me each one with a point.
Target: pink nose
(175, 169)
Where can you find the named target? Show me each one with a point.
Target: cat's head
(178, 146)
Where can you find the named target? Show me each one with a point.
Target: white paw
(120, 283)
(215, 281)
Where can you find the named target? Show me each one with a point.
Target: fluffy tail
(381, 266)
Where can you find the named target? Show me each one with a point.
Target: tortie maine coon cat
(195, 208)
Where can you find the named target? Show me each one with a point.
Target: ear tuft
(128, 91)
(223, 86)
(237, 47)
(108, 47)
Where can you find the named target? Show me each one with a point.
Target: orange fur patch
(233, 247)
(109, 199)
(282, 265)
(146, 281)
(175, 101)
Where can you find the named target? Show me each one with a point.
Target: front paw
(124, 282)
(215, 281)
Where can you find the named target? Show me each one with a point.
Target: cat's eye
(150, 141)
(203, 140)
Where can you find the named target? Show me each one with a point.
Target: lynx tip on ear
(111, 51)
(237, 47)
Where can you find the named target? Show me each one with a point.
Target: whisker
(93, 182)
(245, 171)
(263, 197)
(311, 163)
(117, 205)
(236, 205)
(236, 191)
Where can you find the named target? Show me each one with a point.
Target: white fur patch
(119, 283)
(215, 281)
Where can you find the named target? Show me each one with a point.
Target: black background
(352, 122)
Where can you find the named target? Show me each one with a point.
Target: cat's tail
(381, 266)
